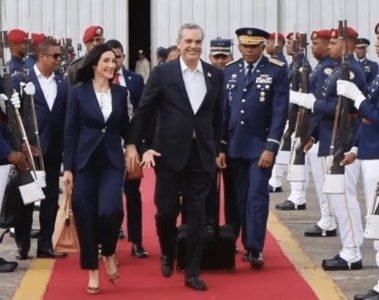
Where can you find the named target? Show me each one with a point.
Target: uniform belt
(353, 115)
(366, 121)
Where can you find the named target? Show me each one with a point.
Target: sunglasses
(55, 55)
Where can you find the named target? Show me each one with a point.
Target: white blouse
(105, 103)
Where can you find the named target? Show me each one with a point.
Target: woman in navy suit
(97, 116)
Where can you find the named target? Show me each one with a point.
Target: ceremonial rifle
(29, 110)
(293, 108)
(334, 182)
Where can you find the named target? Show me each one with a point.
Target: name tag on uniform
(264, 79)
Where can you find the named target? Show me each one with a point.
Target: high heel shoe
(112, 277)
(93, 290)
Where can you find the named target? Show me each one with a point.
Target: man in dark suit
(50, 96)
(134, 83)
(187, 95)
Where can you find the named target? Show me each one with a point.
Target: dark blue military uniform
(370, 68)
(255, 115)
(326, 105)
(31, 60)
(301, 61)
(282, 58)
(16, 65)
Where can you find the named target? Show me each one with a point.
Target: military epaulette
(232, 62)
(276, 62)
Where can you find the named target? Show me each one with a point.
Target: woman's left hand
(148, 158)
(131, 157)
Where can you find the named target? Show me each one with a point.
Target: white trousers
(4, 173)
(276, 176)
(318, 168)
(299, 189)
(348, 215)
(370, 172)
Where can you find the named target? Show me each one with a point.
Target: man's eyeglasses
(55, 55)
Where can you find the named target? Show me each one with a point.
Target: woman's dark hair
(86, 72)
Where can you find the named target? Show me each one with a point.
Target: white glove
(3, 106)
(15, 99)
(306, 100)
(28, 88)
(41, 179)
(350, 90)
(294, 97)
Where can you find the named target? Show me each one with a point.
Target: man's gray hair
(189, 26)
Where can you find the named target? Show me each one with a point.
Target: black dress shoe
(195, 283)
(289, 205)
(339, 264)
(121, 234)
(247, 255)
(34, 233)
(271, 189)
(49, 253)
(371, 295)
(167, 266)
(22, 254)
(138, 251)
(317, 231)
(7, 266)
(257, 261)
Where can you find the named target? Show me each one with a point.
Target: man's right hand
(19, 160)
(308, 145)
(35, 151)
(221, 161)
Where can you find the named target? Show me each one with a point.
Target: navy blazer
(134, 83)
(86, 128)
(50, 122)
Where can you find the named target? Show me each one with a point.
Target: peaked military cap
(362, 42)
(221, 46)
(251, 36)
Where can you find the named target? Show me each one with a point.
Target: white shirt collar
(362, 60)
(184, 67)
(39, 74)
(120, 72)
(254, 64)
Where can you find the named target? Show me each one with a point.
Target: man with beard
(92, 37)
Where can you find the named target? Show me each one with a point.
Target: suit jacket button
(242, 122)
(243, 100)
(103, 130)
(242, 111)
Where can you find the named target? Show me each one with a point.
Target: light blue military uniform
(255, 115)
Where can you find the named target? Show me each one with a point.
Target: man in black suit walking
(187, 96)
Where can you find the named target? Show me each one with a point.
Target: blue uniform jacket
(282, 58)
(86, 128)
(16, 65)
(50, 122)
(370, 68)
(31, 61)
(316, 80)
(5, 148)
(255, 112)
(368, 141)
(325, 106)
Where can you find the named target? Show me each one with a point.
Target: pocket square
(209, 74)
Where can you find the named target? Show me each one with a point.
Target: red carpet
(141, 279)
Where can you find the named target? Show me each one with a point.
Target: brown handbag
(65, 237)
(137, 173)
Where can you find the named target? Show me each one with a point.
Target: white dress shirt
(194, 82)
(105, 103)
(122, 80)
(48, 86)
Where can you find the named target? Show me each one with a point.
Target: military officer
(16, 38)
(327, 224)
(220, 55)
(257, 94)
(345, 206)
(161, 55)
(368, 144)
(278, 52)
(92, 37)
(369, 67)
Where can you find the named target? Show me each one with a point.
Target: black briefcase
(219, 246)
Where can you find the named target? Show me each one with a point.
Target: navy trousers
(97, 207)
(48, 209)
(133, 210)
(196, 186)
(251, 186)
